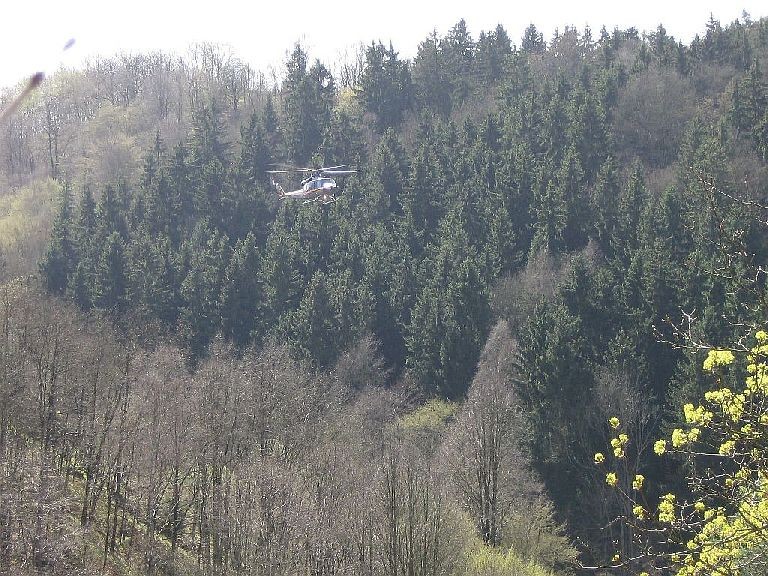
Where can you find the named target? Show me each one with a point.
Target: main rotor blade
(326, 170)
(290, 168)
(339, 172)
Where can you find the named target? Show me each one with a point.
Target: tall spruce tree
(242, 295)
(60, 259)
(209, 164)
(386, 85)
(110, 281)
(450, 316)
(207, 254)
(307, 103)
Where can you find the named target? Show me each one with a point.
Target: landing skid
(322, 200)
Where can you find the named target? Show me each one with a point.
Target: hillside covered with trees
(201, 378)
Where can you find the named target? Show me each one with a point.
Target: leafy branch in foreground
(720, 526)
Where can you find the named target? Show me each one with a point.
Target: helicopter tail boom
(280, 191)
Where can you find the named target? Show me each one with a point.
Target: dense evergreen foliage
(587, 197)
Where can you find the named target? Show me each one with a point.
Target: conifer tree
(209, 164)
(208, 254)
(310, 328)
(633, 196)
(60, 260)
(242, 297)
(493, 50)
(181, 207)
(555, 391)
(572, 188)
(342, 141)
(152, 279)
(154, 192)
(450, 316)
(458, 55)
(110, 215)
(603, 207)
(110, 281)
(533, 40)
(389, 276)
(430, 77)
(386, 85)
(81, 285)
(588, 129)
(255, 155)
(246, 205)
(551, 216)
(425, 194)
(307, 102)
(280, 270)
(86, 222)
(385, 186)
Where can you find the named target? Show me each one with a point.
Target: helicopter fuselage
(314, 189)
(318, 186)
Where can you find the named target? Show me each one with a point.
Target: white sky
(32, 32)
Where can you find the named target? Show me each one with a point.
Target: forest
(199, 378)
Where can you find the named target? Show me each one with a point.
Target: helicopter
(318, 186)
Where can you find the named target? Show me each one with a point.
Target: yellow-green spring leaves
(679, 438)
(757, 381)
(618, 445)
(732, 405)
(697, 415)
(724, 520)
(667, 509)
(599, 458)
(717, 358)
(727, 448)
